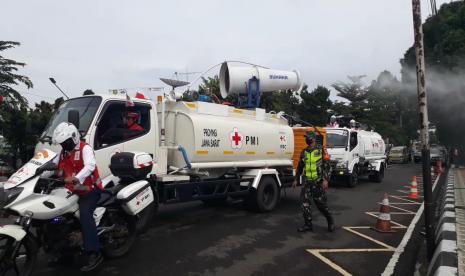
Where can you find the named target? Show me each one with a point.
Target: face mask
(309, 141)
(68, 145)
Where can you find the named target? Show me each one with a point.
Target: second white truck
(355, 153)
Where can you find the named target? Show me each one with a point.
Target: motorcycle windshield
(29, 169)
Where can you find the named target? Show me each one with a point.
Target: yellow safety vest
(313, 162)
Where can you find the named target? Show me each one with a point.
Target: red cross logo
(236, 139)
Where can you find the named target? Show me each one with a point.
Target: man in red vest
(131, 119)
(77, 165)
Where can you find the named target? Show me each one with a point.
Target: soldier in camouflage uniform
(315, 183)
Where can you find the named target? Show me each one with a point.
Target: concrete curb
(445, 260)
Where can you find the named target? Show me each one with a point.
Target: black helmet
(309, 136)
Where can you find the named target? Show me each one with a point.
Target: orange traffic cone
(413, 189)
(383, 224)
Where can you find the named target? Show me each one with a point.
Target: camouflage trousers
(313, 190)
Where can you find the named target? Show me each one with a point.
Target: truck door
(353, 141)
(115, 133)
(108, 138)
(145, 139)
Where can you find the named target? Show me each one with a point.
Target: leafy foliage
(444, 39)
(315, 105)
(20, 124)
(9, 79)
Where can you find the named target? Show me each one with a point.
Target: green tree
(22, 127)
(286, 101)
(315, 105)
(356, 93)
(9, 78)
(444, 40)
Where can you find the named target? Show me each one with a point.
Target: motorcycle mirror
(73, 117)
(50, 166)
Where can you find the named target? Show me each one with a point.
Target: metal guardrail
(445, 258)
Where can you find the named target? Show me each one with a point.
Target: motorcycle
(47, 216)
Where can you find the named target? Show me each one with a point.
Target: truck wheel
(266, 197)
(378, 176)
(352, 180)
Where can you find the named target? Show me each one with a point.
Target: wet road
(193, 239)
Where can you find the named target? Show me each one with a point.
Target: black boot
(331, 226)
(92, 262)
(306, 228)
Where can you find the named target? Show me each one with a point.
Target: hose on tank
(184, 155)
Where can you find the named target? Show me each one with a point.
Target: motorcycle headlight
(342, 165)
(7, 196)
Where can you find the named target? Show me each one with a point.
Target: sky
(107, 44)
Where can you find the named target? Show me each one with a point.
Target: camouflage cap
(310, 135)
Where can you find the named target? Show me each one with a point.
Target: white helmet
(64, 131)
(332, 119)
(352, 123)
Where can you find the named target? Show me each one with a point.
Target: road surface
(193, 239)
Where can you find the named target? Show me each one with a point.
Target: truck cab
(354, 153)
(102, 124)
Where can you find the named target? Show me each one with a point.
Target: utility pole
(424, 127)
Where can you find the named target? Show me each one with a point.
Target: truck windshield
(337, 139)
(87, 106)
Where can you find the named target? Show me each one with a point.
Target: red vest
(73, 163)
(135, 126)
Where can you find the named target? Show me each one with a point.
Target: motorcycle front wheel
(21, 262)
(118, 240)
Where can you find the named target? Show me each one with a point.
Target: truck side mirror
(73, 117)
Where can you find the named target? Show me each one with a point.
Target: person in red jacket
(131, 119)
(77, 164)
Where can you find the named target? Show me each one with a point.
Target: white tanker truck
(355, 153)
(191, 150)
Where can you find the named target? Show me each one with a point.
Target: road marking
(389, 270)
(386, 248)
(395, 213)
(393, 222)
(407, 192)
(402, 198)
(369, 238)
(329, 262)
(418, 188)
(369, 227)
(398, 208)
(317, 252)
(405, 203)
